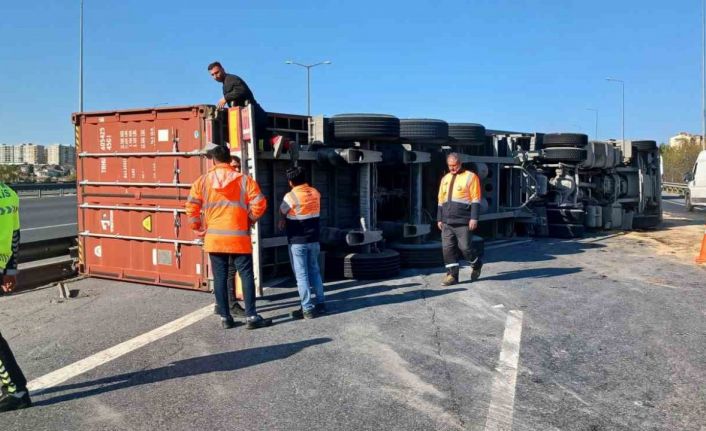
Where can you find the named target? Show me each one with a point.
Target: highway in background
(47, 218)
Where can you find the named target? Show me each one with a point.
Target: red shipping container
(134, 171)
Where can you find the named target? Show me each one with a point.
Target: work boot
(449, 280)
(257, 321)
(320, 308)
(309, 314)
(451, 277)
(475, 274)
(236, 309)
(297, 314)
(227, 322)
(16, 401)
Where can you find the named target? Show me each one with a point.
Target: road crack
(453, 397)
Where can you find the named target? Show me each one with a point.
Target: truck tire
(566, 216)
(565, 140)
(425, 255)
(644, 145)
(377, 127)
(643, 221)
(566, 230)
(371, 266)
(424, 130)
(570, 155)
(467, 133)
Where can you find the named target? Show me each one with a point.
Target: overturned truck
(378, 177)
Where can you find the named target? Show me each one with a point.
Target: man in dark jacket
(237, 93)
(457, 217)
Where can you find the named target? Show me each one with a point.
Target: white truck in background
(696, 183)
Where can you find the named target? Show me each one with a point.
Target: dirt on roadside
(677, 236)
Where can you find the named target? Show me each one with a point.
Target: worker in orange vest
(235, 308)
(457, 217)
(301, 209)
(230, 202)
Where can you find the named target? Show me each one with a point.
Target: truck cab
(696, 195)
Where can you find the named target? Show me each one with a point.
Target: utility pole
(308, 80)
(703, 74)
(80, 61)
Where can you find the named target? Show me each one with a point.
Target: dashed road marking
(63, 374)
(502, 395)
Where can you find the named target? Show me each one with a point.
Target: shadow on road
(532, 273)
(228, 361)
(369, 297)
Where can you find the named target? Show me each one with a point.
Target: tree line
(677, 161)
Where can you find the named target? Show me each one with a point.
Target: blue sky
(509, 64)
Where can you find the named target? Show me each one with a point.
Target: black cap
(294, 172)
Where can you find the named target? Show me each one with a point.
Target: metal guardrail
(678, 188)
(39, 190)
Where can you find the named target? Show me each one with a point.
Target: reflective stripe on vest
(221, 204)
(228, 232)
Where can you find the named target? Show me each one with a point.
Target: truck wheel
(687, 201)
(569, 155)
(566, 216)
(424, 130)
(645, 221)
(467, 133)
(644, 145)
(565, 140)
(425, 255)
(379, 127)
(566, 230)
(371, 266)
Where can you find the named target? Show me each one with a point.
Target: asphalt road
(47, 218)
(613, 337)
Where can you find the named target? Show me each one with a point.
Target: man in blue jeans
(301, 210)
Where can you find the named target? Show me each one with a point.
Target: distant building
(34, 154)
(684, 138)
(18, 154)
(7, 154)
(63, 155)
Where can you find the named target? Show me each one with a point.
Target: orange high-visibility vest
(302, 203)
(456, 195)
(230, 203)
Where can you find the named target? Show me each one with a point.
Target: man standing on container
(300, 210)
(13, 384)
(237, 93)
(231, 202)
(457, 217)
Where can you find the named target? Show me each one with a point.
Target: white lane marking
(510, 244)
(502, 395)
(48, 227)
(63, 374)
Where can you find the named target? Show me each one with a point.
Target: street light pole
(622, 85)
(308, 68)
(703, 75)
(80, 61)
(595, 111)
